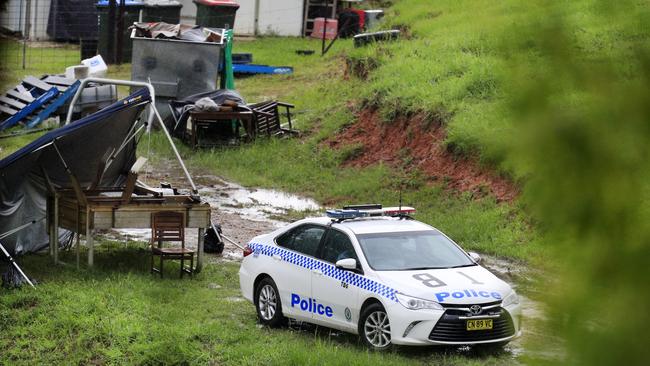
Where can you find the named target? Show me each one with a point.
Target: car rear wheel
(374, 327)
(267, 302)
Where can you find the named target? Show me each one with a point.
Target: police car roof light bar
(346, 213)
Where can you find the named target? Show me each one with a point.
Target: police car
(376, 272)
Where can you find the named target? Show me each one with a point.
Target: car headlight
(415, 303)
(510, 299)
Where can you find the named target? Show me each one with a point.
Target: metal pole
(110, 58)
(257, 18)
(28, 14)
(120, 33)
(153, 113)
(322, 47)
(11, 260)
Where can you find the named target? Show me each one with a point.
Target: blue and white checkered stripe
(329, 270)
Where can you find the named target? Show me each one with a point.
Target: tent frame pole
(153, 113)
(6, 253)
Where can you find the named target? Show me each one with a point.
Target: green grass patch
(119, 314)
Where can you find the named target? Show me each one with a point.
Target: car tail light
(248, 251)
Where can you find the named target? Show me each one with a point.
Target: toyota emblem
(475, 309)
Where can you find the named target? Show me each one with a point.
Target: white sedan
(380, 274)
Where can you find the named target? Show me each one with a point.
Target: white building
(274, 17)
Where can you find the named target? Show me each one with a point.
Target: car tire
(267, 303)
(374, 327)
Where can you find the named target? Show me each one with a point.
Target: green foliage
(583, 143)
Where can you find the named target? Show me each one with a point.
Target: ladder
(313, 5)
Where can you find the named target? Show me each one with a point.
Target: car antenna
(400, 197)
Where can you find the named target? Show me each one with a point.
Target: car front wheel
(267, 302)
(374, 327)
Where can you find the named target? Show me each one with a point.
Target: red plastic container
(330, 29)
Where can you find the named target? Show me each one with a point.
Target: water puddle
(254, 204)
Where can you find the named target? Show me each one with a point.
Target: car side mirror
(475, 257)
(349, 264)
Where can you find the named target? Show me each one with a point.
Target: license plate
(479, 324)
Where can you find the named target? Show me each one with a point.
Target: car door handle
(317, 272)
(276, 257)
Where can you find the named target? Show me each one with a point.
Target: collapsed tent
(97, 150)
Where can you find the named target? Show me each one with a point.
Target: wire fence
(44, 34)
(52, 34)
(49, 35)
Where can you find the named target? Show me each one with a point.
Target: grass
(120, 314)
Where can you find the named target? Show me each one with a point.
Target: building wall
(13, 19)
(276, 17)
(188, 11)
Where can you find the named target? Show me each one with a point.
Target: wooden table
(198, 119)
(101, 210)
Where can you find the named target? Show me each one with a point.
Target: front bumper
(448, 326)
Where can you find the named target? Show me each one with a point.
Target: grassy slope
(326, 99)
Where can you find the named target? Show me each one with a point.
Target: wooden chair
(268, 119)
(170, 227)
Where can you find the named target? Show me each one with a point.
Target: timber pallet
(34, 100)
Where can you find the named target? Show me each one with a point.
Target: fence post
(28, 25)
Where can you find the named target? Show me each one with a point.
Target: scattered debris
(242, 58)
(366, 38)
(33, 100)
(261, 69)
(242, 64)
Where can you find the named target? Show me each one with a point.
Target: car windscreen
(411, 250)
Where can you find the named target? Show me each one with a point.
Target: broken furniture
(231, 110)
(170, 227)
(83, 176)
(130, 206)
(268, 119)
(317, 9)
(367, 38)
(34, 100)
(221, 124)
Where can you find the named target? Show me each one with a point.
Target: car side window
(337, 246)
(303, 239)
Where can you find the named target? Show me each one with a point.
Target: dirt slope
(412, 144)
